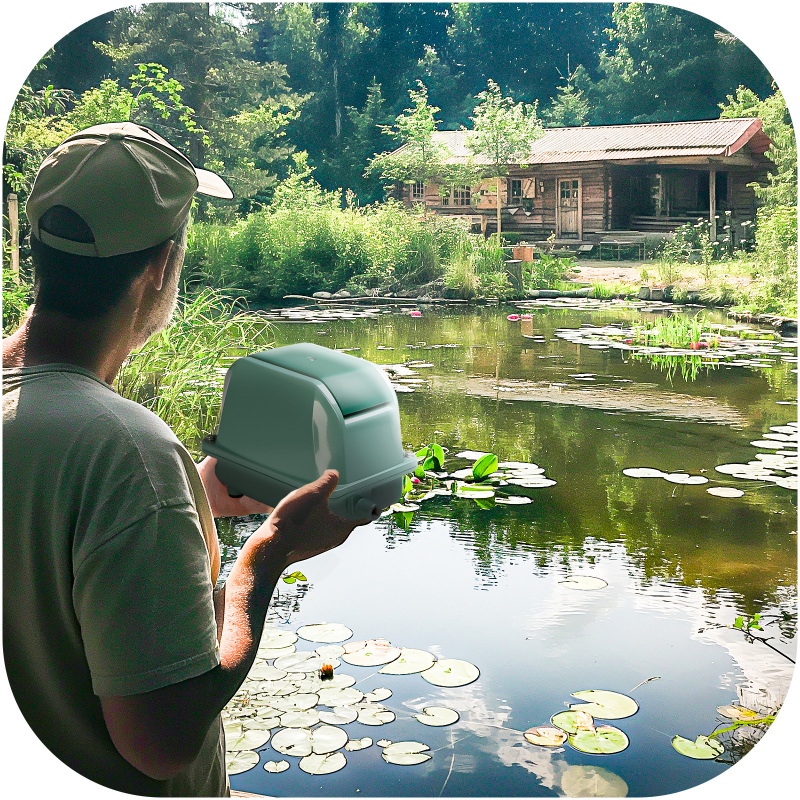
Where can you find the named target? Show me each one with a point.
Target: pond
(486, 585)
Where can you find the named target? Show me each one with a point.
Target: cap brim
(211, 184)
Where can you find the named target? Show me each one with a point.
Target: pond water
(484, 585)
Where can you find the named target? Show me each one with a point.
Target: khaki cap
(131, 187)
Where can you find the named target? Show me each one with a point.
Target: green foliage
(178, 373)
(17, 296)
(431, 457)
(570, 108)
(547, 271)
(294, 577)
(484, 467)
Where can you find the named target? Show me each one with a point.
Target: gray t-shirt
(109, 558)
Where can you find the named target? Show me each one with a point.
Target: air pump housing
(290, 413)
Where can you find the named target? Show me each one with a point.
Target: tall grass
(178, 374)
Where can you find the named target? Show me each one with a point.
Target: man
(118, 651)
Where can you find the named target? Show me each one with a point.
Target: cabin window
(462, 195)
(418, 190)
(514, 191)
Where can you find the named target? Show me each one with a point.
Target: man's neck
(47, 337)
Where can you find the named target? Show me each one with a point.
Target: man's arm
(161, 732)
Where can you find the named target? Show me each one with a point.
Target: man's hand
(303, 526)
(222, 505)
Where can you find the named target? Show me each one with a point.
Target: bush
(17, 296)
(547, 271)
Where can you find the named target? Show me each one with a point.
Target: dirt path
(607, 271)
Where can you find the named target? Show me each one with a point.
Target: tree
(420, 158)
(502, 134)
(570, 108)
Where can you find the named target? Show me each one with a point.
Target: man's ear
(156, 269)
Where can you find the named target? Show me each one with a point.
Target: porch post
(712, 204)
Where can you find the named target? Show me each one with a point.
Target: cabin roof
(715, 137)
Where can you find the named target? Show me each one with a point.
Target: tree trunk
(498, 210)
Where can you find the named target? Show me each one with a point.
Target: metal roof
(716, 137)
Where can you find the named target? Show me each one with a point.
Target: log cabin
(594, 183)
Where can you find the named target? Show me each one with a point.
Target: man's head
(106, 203)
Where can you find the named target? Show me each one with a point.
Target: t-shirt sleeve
(144, 603)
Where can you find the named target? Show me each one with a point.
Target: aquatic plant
(179, 372)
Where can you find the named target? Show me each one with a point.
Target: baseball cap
(130, 186)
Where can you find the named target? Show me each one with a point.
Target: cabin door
(568, 211)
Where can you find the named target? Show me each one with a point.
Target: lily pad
(334, 697)
(299, 662)
(261, 723)
(378, 695)
(300, 719)
(471, 455)
(330, 651)
(240, 761)
(322, 765)
(451, 672)
(341, 715)
(358, 744)
(325, 632)
(701, 748)
(643, 472)
(276, 766)
(383, 742)
(533, 482)
(437, 716)
(604, 740)
(513, 500)
(605, 705)
(725, 491)
(474, 492)
(546, 736)
(405, 754)
(581, 780)
(266, 672)
(247, 740)
(739, 713)
(275, 652)
(276, 638)
(768, 444)
(684, 479)
(374, 714)
(370, 653)
(295, 702)
(408, 662)
(572, 721)
(584, 583)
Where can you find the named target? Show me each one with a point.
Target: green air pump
(290, 413)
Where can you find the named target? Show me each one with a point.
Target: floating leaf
(585, 583)
(451, 672)
(293, 577)
(405, 754)
(295, 702)
(408, 662)
(300, 719)
(339, 697)
(403, 508)
(330, 651)
(240, 761)
(370, 653)
(738, 713)
(437, 716)
(383, 742)
(512, 500)
(484, 466)
(643, 472)
(725, 491)
(519, 465)
(471, 455)
(546, 736)
(684, 479)
(701, 748)
(377, 695)
(374, 714)
(474, 492)
(292, 742)
(605, 705)
(341, 715)
(261, 723)
(572, 721)
(579, 780)
(276, 766)
(322, 765)
(275, 652)
(603, 740)
(274, 638)
(325, 632)
(533, 482)
(461, 474)
(299, 662)
(358, 744)
(266, 672)
(247, 740)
